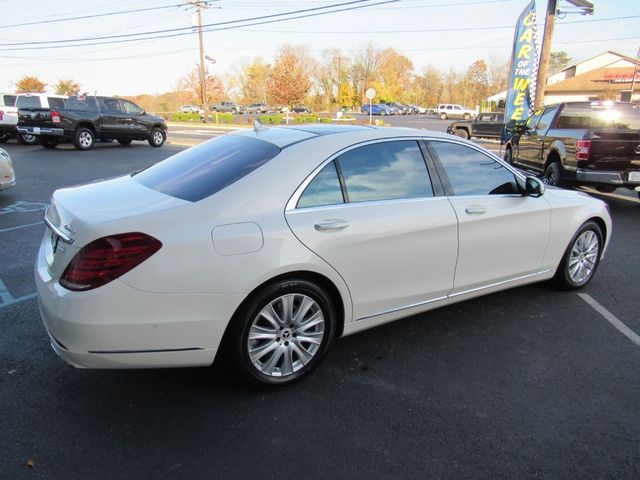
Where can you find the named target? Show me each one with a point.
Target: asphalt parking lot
(527, 383)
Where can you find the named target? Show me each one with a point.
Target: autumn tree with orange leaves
(30, 84)
(289, 83)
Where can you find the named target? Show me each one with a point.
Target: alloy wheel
(85, 139)
(583, 257)
(286, 335)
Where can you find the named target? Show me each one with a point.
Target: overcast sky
(154, 66)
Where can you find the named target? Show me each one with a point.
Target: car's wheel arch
(88, 125)
(318, 278)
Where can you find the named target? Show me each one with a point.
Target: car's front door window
(470, 172)
(385, 171)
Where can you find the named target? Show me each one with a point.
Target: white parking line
(20, 226)
(611, 318)
(7, 299)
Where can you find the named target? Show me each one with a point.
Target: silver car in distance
(265, 245)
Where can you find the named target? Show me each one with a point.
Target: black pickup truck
(487, 125)
(83, 119)
(594, 144)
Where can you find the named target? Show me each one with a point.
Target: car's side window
(471, 172)
(131, 108)
(546, 119)
(324, 189)
(385, 171)
(533, 119)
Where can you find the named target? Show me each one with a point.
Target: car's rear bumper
(605, 177)
(118, 326)
(56, 132)
(6, 184)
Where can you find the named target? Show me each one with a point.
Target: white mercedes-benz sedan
(7, 175)
(266, 245)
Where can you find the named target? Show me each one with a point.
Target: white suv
(451, 110)
(8, 116)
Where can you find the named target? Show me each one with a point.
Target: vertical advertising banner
(524, 68)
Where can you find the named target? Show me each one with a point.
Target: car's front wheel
(157, 137)
(508, 156)
(443, 116)
(461, 132)
(282, 333)
(581, 258)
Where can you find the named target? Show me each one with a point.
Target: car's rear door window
(203, 170)
(324, 189)
(56, 102)
(9, 100)
(471, 172)
(385, 171)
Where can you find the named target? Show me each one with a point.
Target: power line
(171, 35)
(170, 30)
(84, 17)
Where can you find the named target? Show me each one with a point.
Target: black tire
(48, 142)
(606, 188)
(28, 139)
(237, 341)
(553, 174)
(383, 112)
(4, 137)
(461, 132)
(467, 116)
(563, 278)
(443, 116)
(157, 137)
(84, 139)
(125, 142)
(508, 156)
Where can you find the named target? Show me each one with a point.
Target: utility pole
(545, 54)
(199, 5)
(583, 8)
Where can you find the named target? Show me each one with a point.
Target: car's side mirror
(533, 187)
(142, 112)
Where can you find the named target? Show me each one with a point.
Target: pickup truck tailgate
(613, 149)
(35, 117)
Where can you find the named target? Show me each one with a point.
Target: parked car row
(236, 109)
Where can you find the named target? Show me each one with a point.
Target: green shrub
(224, 117)
(305, 119)
(271, 119)
(184, 117)
(325, 120)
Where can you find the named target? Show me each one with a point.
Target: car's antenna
(257, 125)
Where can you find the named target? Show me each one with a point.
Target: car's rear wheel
(282, 333)
(581, 258)
(125, 142)
(382, 112)
(553, 175)
(461, 132)
(467, 116)
(48, 142)
(157, 137)
(84, 139)
(28, 139)
(443, 116)
(4, 137)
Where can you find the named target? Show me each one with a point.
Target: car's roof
(284, 136)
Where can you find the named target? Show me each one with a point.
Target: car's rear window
(56, 102)
(28, 102)
(599, 116)
(201, 171)
(9, 100)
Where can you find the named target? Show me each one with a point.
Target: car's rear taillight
(106, 259)
(55, 116)
(583, 149)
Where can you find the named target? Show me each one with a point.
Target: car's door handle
(475, 210)
(330, 225)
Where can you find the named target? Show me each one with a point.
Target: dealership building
(607, 76)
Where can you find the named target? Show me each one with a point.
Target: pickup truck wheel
(467, 116)
(124, 143)
(4, 137)
(443, 116)
(49, 142)
(553, 175)
(156, 137)
(27, 139)
(84, 139)
(461, 132)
